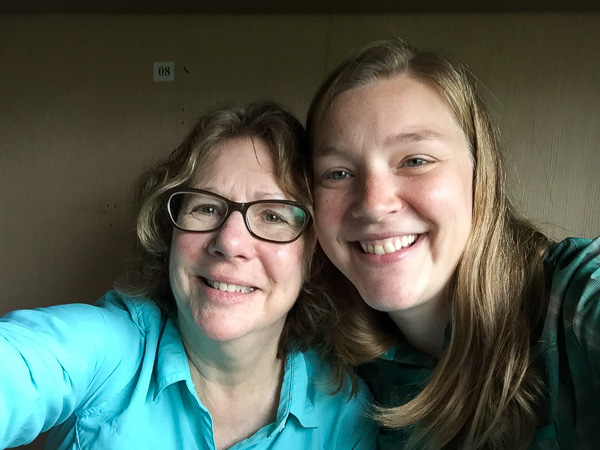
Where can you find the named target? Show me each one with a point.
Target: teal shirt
(569, 349)
(115, 376)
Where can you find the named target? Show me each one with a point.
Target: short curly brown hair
(286, 140)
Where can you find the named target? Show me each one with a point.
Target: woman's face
(227, 283)
(393, 192)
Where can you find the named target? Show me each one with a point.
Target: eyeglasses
(201, 211)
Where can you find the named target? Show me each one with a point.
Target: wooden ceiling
(292, 6)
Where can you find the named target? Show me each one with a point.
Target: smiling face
(393, 192)
(226, 283)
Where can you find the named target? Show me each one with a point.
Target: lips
(388, 245)
(228, 287)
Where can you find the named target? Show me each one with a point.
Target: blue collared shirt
(115, 376)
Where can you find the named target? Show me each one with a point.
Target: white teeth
(398, 243)
(389, 246)
(229, 287)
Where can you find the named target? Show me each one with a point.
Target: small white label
(164, 71)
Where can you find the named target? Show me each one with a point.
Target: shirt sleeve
(56, 360)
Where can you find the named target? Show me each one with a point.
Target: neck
(424, 326)
(240, 362)
(233, 370)
(239, 381)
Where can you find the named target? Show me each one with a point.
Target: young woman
(484, 332)
(209, 348)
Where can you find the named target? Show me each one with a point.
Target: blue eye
(415, 162)
(338, 175)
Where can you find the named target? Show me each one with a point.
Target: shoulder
(574, 251)
(140, 312)
(68, 358)
(113, 310)
(83, 338)
(573, 268)
(346, 418)
(131, 328)
(319, 375)
(320, 382)
(574, 259)
(571, 340)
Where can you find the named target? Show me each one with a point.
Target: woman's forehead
(394, 109)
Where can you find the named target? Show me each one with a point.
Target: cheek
(448, 200)
(187, 246)
(287, 255)
(292, 256)
(329, 209)
(287, 264)
(186, 250)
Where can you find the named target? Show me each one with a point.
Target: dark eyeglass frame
(232, 206)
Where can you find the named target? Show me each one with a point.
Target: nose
(376, 197)
(232, 240)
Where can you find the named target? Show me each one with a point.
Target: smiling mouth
(227, 287)
(391, 245)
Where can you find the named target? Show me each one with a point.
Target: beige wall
(80, 117)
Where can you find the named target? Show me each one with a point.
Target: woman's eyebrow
(414, 136)
(328, 151)
(258, 195)
(265, 195)
(425, 134)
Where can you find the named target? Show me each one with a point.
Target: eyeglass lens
(194, 211)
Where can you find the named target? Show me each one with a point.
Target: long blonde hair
(484, 391)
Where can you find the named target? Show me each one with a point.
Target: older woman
(486, 332)
(208, 348)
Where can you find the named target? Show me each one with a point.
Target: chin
(222, 334)
(218, 327)
(390, 306)
(384, 302)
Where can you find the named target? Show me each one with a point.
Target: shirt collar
(405, 353)
(172, 366)
(171, 362)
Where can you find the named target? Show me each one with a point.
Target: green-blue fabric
(569, 349)
(115, 376)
